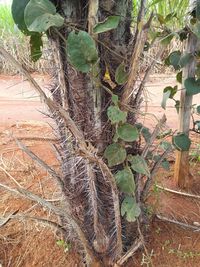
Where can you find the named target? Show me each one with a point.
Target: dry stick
(139, 42)
(81, 142)
(10, 176)
(137, 244)
(147, 74)
(40, 220)
(153, 170)
(178, 192)
(41, 163)
(165, 219)
(65, 214)
(143, 243)
(144, 154)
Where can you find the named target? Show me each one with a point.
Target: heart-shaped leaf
(181, 142)
(108, 24)
(192, 86)
(128, 132)
(130, 208)
(121, 75)
(185, 59)
(174, 59)
(138, 164)
(18, 8)
(125, 180)
(168, 92)
(115, 154)
(144, 131)
(81, 51)
(40, 15)
(115, 115)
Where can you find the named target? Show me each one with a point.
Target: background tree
(104, 174)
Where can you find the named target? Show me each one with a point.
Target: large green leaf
(36, 46)
(40, 15)
(192, 86)
(108, 24)
(181, 142)
(168, 92)
(144, 131)
(115, 115)
(130, 208)
(128, 132)
(81, 51)
(185, 59)
(139, 165)
(18, 7)
(121, 75)
(115, 154)
(174, 59)
(125, 180)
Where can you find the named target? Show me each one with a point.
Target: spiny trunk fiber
(94, 201)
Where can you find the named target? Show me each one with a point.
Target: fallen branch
(27, 217)
(185, 225)
(178, 192)
(137, 244)
(58, 211)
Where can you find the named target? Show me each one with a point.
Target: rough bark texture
(88, 191)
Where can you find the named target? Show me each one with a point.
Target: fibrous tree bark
(78, 105)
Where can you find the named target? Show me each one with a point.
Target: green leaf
(165, 145)
(125, 181)
(108, 24)
(40, 15)
(36, 46)
(155, 2)
(130, 208)
(18, 8)
(179, 77)
(120, 75)
(128, 132)
(138, 164)
(166, 96)
(115, 115)
(81, 51)
(185, 59)
(192, 86)
(166, 40)
(198, 109)
(144, 131)
(115, 99)
(174, 59)
(115, 154)
(168, 92)
(170, 16)
(165, 164)
(181, 142)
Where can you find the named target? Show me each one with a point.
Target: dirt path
(24, 243)
(18, 101)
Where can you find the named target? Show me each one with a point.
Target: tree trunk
(94, 204)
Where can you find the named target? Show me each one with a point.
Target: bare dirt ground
(25, 242)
